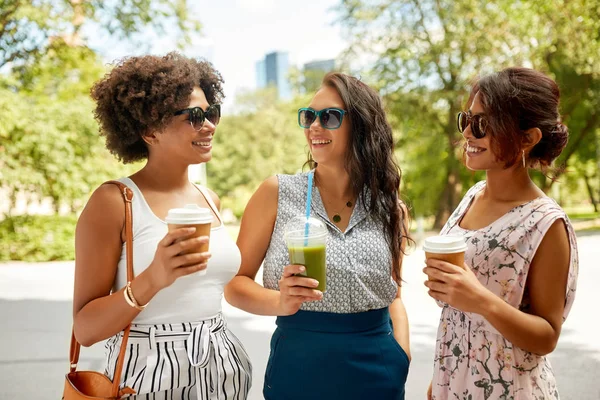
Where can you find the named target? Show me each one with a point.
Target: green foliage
(49, 141)
(422, 55)
(259, 141)
(308, 81)
(27, 28)
(37, 238)
(61, 74)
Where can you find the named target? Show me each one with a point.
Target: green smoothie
(313, 259)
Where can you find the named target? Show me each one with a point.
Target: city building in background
(261, 74)
(313, 73)
(320, 65)
(274, 71)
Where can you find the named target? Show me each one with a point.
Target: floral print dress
(473, 360)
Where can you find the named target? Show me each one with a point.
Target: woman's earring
(524, 165)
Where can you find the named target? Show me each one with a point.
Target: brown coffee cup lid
(190, 214)
(445, 244)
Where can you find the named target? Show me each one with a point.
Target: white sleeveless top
(189, 298)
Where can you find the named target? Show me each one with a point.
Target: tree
(28, 27)
(580, 98)
(49, 141)
(262, 139)
(426, 52)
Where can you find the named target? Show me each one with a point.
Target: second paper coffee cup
(195, 216)
(446, 248)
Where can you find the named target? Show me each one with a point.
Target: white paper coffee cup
(195, 216)
(191, 214)
(446, 248)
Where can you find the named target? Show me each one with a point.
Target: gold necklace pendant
(337, 217)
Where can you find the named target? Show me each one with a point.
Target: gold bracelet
(130, 299)
(127, 299)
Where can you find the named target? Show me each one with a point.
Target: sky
(238, 33)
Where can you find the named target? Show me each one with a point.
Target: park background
(421, 55)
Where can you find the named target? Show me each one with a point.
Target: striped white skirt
(198, 360)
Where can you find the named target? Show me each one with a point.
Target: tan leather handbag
(92, 384)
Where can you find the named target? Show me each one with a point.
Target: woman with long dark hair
(503, 312)
(350, 342)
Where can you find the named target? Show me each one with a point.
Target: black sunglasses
(198, 115)
(477, 122)
(330, 118)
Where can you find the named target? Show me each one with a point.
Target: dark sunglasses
(477, 122)
(198, 115)
(331, 118)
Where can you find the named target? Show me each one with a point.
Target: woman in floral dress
(502, 313)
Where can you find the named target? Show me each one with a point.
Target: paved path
(35, 313)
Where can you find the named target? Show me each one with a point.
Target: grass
(581, 212)
(583, 216)
(591, 229)
(576, 214)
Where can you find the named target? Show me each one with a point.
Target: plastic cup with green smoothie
(305, 239)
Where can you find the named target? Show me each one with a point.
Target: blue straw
(308, 201)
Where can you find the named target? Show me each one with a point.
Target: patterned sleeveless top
(359, 262)
(472, 359)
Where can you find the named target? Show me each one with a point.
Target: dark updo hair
(141, 94)
(370, 160)
(515, 100)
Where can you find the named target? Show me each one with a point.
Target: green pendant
(337, 218)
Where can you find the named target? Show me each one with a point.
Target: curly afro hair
(141, 94)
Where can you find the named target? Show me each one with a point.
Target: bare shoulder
(264, 200)
(105, 207)
(549, 275)
(270, 186)
(267, 193)
(556, 238)
(98, 243)
(553, 254)
(215, 198)
(257, 226)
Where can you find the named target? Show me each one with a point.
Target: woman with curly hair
(340, 344)
(504, 309)
(163, 110)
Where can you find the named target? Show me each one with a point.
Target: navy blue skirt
(318, 355)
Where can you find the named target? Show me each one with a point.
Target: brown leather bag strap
(74, 352)
(75, 346)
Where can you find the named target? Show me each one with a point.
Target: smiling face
(479, 154)
(181, 141)
(328, 146)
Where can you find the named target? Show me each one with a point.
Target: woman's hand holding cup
(170, 263)
(295, 290)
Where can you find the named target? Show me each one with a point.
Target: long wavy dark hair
(370, 160)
